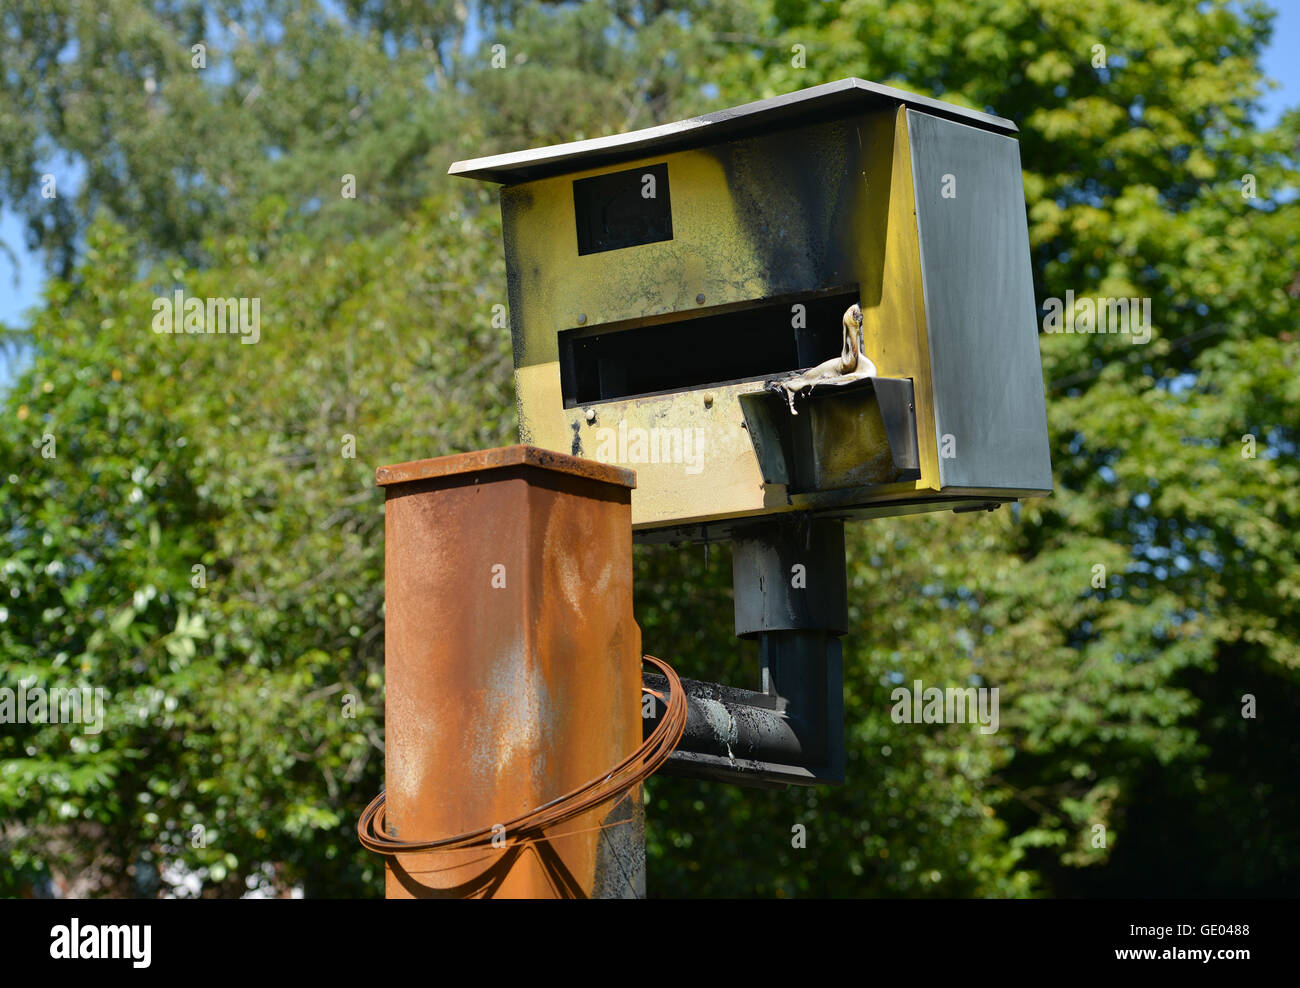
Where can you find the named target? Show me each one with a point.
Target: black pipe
(730, 722)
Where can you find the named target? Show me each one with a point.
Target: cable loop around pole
(632, 771)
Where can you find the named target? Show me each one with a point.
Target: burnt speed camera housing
(659, 279)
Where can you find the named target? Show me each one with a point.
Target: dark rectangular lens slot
(738, 345)
(623, 209)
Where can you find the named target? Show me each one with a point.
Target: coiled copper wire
(532, 826)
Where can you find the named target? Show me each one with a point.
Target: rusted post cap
(500, 458)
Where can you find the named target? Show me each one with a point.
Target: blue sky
(20, 284)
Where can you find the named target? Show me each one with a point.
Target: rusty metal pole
(513, 667)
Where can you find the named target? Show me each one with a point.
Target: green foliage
(1120, 703)
(232, 691)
